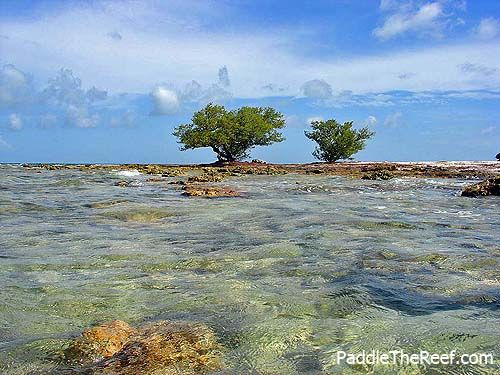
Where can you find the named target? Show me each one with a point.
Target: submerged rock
(161, 347)
(491, 186)
(99, 342)
(140, 215)
(105, 204)
(209, 191)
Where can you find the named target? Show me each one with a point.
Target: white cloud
(80, 117)
(317, 89)
(4, 145)
(370, 121)
(15, 122)
(165, 101)
(169, 43)
(422, 19)
(15, 87)
(488, 28)
(393, 119)
(214, 93)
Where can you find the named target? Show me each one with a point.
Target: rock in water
(99, 342)
(491, 186)
(208, 191)
(162, 347)
(378, 175)
(165, 348)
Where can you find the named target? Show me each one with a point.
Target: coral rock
(99, 342)
(378, 175)
(491, 186)
(165, 348)
(209, 191)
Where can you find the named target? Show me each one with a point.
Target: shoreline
(355, 169)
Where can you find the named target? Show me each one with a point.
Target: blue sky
(107, 81)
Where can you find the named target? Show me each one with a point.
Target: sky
(107, 81)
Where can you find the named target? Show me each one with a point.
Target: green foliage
(231, 134)
(337, 141)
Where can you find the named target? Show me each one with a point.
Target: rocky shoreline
(197, 180)
(367, 170)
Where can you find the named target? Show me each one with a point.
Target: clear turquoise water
(297, 269)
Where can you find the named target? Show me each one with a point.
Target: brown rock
(207, 177)
(491, 186)
(99, 342)
(209, 191)
(378, 175)
(165, 348)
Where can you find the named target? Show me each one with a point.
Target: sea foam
(132, 173)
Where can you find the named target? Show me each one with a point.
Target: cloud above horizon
(135, 64)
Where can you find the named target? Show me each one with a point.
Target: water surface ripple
(297, 269)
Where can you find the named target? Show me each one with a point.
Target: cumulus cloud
(224, 77)
(66, 94)
(14, 122)
(270, 56)
(165, 101)
(16, 87)
(215, 93)
(67, 89)
(192, 91)
(168, 100)
(370, 121)
(80, 117)
(402, 20)
(317, 89)
(393, 119)
(488, 28)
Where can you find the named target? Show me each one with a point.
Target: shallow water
(297, 269)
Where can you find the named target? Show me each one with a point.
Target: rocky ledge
(162, 347)
(371, 170)
(196, 190)
(490, 186)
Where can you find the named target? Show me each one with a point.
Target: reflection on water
(297, 269)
